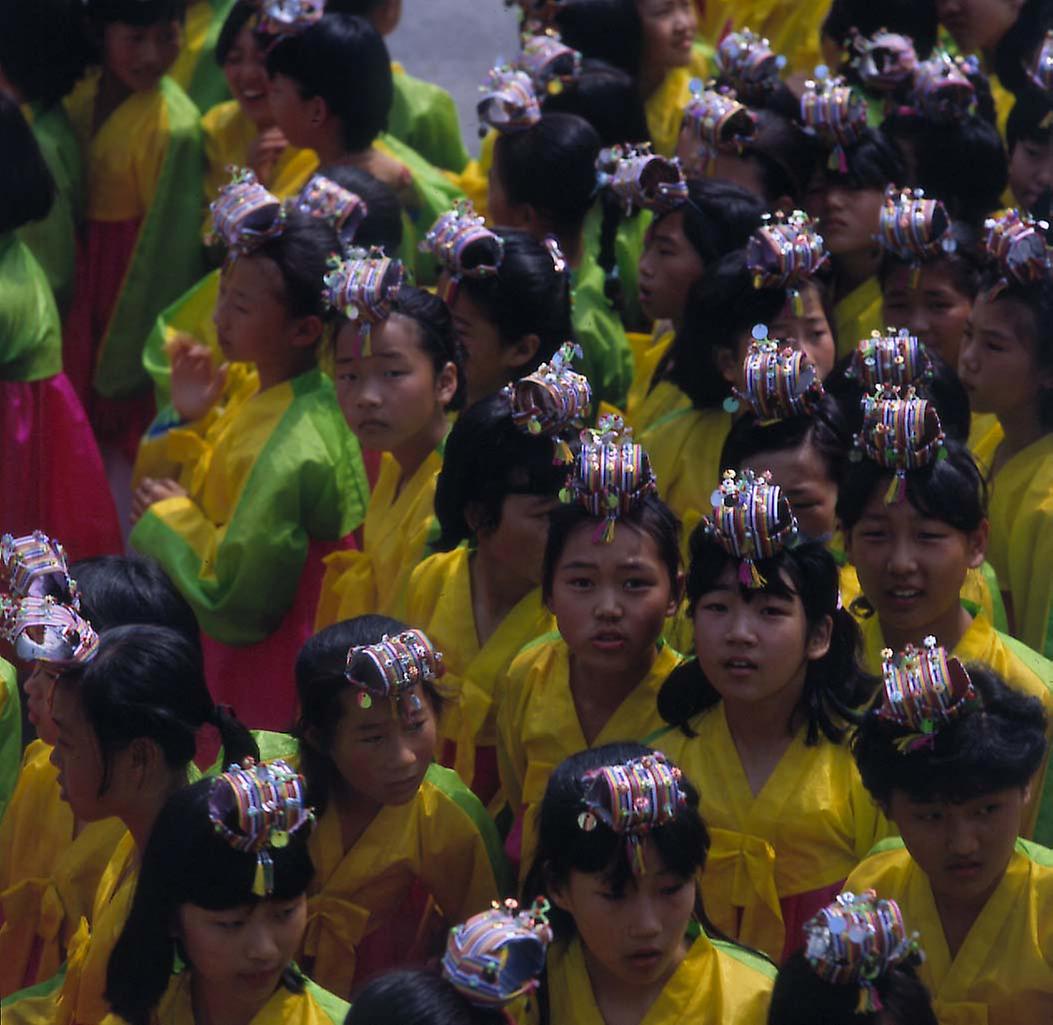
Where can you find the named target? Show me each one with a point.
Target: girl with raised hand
(393, 827)
(621, 843)
(479, 596)
(950, 754)
(220, 908)
(398, 374)
(240, 495)
(762, 716)
(611, 577)
(126, 722)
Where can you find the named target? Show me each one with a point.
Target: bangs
(141, 13)
(710, 560)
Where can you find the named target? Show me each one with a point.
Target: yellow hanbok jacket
(645, 404)
(809, 826)
(664, 110)
(538, 726)
(856, 315)
(717, 983)
(443, 837)
(314, 1006)
(439, 602)
(397, 530)
(48, 876)
(1003, 972)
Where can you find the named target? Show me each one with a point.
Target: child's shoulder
(538, 655)
(446, 800)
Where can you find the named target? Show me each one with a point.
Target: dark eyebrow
(579, 564)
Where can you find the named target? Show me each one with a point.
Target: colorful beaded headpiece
(855, 940)
(751, 520)
(781, 382)
(245, 214)
(498, 956)
(924, 689)
(717, 123)
(913, 228)
(1041, 71)
(549, 62)
(288, 17)
(459, 231)
(835, 113)
(611, 475)
(392, 666)
(785, 251)
(893, 358)
(900, 432)
(266, 804)
(633, 798)
(748, 64)
(642, 180)
(47, 630)
(343, 210)
(509, 103)
(1017, 243)
(885, 61)
(29, 561)
(363, 288)
(942, 90)
(553, 399)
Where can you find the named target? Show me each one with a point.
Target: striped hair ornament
(549, 62)
(362, 288)
(245, 215)
(914, 229)
(855, 940)
(632, 798)
(30, 561)
(499, 955)
(256, 808)
(751, 520)
(1017, 243)
(747, 63)
(780, 381)
(1041, 71)
(280, 18)
(835, 113)
(43, 629)
(392, 666)
(942, 90)
(553, 399)
(894, 358)
(463, 246)
(885, 61)
(509, 103)
(786, 251)
(610, 476)
(339, 207)
(923, 690)
(714, 122)
(640, 179)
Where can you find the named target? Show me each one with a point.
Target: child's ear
(728, 365)
(307, 331)
(819, 639)
(678, 593)
(556, 892)
(520, 353)
(446, 384)
(319, 112)
(976, 542)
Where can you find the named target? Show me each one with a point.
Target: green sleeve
(608, 359)
(328, 1003)
(424, 116)
(30, 335)
(10, 733)
(209, 84)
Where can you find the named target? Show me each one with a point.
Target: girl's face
(805, 480)
(669, 31)
(634, 935)
(998, 362)
(911, 567)
(978, 25)
(39, 688)
(852, 217)
(78, 757)
(382, 752)
(1031, 170)
(753, 646)
(669, 266)
(932, 308)
(810, 329)
(251, 318)
(138, 56)
(611, 600)
(240, 953)
(390, 397)
(518, 541)
(962, 848)
(291, 112)
(246, 72)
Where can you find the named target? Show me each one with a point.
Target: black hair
(610, 30)
(650, 516)
(43, 52)
(996, 746)
(149, 681)
(834, 685)
(487, 458)
(552, 167)
(116, 590)
(1030, 120)
(382, 225)
(786, 155)
(26, 186)
(318, 61)
(361, 8)
(719, 216)
(1015, 51)
(904, 17)
(871, 162)
(187, 862)
(417, 998)
(437, 335)
(606, 97)
(321, 679)
(965, 261)
(237, 18)
(135, 12)
(800, 997)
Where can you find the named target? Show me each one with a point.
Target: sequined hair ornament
(549, 62)
(900, 432)
(717, 123)
(1041, 71)
(245, 215)
(44, 629)
(30, 561)
(499, 955)
(362, 288)
(924, 689)
(855, 940)
(835, 113)
(610, 476)
(509, 103)
(942, 90)
(913, 228)
(458, 237)
(392, 666)
(891, 358)
(1017, 244)
(747, 63)
(786, 252)
(780, 381)
(280, 18)
(751, 520)
(885, 61)
(631, 799)
(342, 209)
(256, 809)
(640, 179)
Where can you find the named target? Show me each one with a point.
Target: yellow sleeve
(511, 706)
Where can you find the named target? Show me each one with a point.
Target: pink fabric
(485, 779)
(798, 909)
(51, 473)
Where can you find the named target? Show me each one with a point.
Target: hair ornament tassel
(747, 63)
(550, 63)
(44, 629)
(640, 179)
(245, 215)
(552, 400)
(338, 207)
(362, 288)
(393, 666)
(835, 113)
(29, 562)
(717, 123)
(509, 103)
(1018, 244)
(780, 381)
